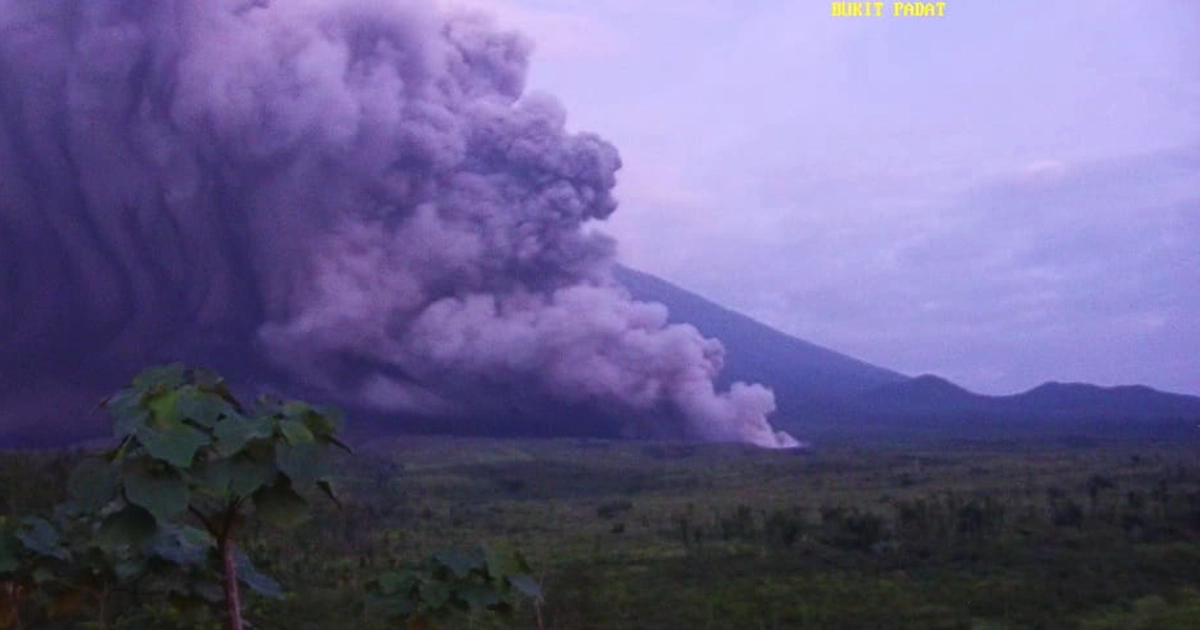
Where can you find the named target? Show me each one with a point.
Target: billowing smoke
(355, 197)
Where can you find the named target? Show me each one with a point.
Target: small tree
(189, 449)
(161, 515)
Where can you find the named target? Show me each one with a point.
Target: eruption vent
(354, 198)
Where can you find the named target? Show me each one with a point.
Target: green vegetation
(620, 535)
(150, 531)
(189, 447)
(631, 535)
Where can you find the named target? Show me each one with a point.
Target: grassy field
(671, 536)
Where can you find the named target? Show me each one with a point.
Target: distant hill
(932, 396)
(823, 393)
(1133, 401)
(929, 406)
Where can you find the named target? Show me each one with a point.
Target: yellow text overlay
(891, 9)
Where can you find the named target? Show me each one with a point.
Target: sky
(1003, 196)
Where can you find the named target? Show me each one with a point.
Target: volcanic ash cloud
(359, 190)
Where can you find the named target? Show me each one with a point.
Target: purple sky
(1005, 196)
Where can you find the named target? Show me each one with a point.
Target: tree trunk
(233, 605)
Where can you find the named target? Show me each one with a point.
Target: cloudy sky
(1004, 196)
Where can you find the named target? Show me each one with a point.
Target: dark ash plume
(354, 198)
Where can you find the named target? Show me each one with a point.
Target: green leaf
(40, 537)
(164, 408)
(164, 495)
(257, 581)
(248, 476)
(235, 431)
(526, 585)
(132, 525)
(302, 463)
(128, 414)
(183, 546)
(202, 407)
(214, 476)
(267, 405)
(323, 423)
(177, 445)
(92, 484)
(280, 505)
(296, 432)
(126, 444)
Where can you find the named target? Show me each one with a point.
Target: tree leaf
(296, 432)
(176, 445)
(164, 495)
(202, 407)
(127, 412)
(302, 463)
(248, 476)
(40, 537)
(267, 405)
(322, 423)
(280, 505)
(183, 546)
(213, 477)
(92, 484)
(132, 525)
(234, 432)
(164, 408)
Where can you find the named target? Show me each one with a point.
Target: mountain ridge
(823, 392)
